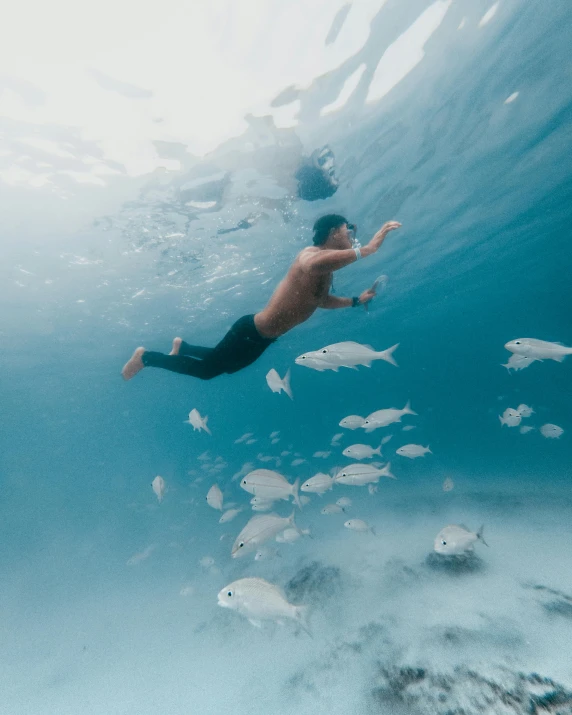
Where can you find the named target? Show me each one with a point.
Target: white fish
(289, 536)
(413, 451)
(359, 525)
(159, 487)
(267, 484)
(538, 349)
(142, 555)
(361, 451)
(304, 500)
(360, 474)
(407, 428)
(386, 439)
(214, 497)
(229, 515)
(258, 600)
(207, 562)
(336, 438)
(382, 418)
(551, 431)
(510, 417)
(277, 384)
(264, 457)
(518, 362)
(448, 485)
(455, 540)
(204, 457)
(244, 437)
(274, 434)
(262, 506)
(331, 509)
(318, 484)
(352, 422)
(346, 354)
(525, 411)
(525, 429)
(266, 553)
(275, 440)
(321, 455)
(187, 590)
(250, 441)
(297, 462)
(344, 502)
(259, 529)
(372, 488)
(199, 423)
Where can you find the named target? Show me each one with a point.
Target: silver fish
(359, 525)
(360, 474)
(551, 431)
(538, 349)
(318, 484)
(277, 384)
(268, 484)
(198, 423)
(383, 418)
(346, 354)
(258, 600)
(214, 497)
(413, 451)
(258, 530)
(361, 451)
(455, 540)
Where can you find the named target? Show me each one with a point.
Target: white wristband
(358, 253)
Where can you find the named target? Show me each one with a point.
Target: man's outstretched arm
(332, 302)
(332, 260)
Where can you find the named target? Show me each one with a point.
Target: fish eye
(324, 352)
(303, 357)
(241, 545)
(443, 542)
(229, 594)
(517, 342)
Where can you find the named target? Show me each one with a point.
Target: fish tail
(389, 474)
(205, 427)
(301, 614)
(387, 355)
(407, 409)
(480, 536)
(293, 523)
(428, 450)
(378, 450)
(286, 384)
(502, 420)
(295, 493)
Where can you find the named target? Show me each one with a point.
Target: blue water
(483, 190)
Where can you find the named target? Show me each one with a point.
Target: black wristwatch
(355, 302)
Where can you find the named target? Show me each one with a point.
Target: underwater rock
(552, 601)
(313, 582)
(455, 565)
(415, 691)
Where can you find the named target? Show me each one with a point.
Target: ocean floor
(395, 629)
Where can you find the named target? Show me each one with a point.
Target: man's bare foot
(134, 365)
(176, 346)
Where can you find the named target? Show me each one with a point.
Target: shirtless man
(305, 288)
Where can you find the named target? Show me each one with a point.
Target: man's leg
(184, 365)
(180, 347)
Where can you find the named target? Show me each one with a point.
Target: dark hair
(324, 225)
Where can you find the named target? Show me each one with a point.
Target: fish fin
(286, 384)
(301, 614)
(559, 358)
(427, 448)
(369, 346)
(387, 355)
(377, 451)
(407, 409)
(295, 493)
(293, 523)
(205, 427)
(353, 367)
(480, 535)
(256, 624)
(502, 420)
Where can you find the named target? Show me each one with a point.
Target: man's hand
(379, 237)
(366, 296)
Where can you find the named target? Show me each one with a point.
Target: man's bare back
(305, 287)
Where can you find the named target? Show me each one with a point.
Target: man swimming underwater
(305, 288)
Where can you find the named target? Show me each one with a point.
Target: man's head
(334, 231)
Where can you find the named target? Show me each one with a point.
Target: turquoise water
(106, 606)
